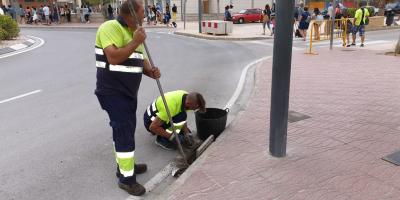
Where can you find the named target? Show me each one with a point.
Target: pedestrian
(121, 60)
(360, 21)
(149, 14)
(86, 13)
(4, 9)
(67, 13)
(273, 24)
(304, 23)
(21, 12)
(330, 11)
(154, 9)
(11, 11)
(167, 8)
(347, 27)
(174, 12)
(266, 20)
(228, 16)
(104, 11)
(299, 11)
(56, 15)
(46, 13)
(318, 19)
(35, 16)
(156, 120)
(40, 14)
(28, 15)
(110, 12)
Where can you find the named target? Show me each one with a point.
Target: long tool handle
(139, 23)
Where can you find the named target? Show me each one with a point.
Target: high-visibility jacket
(123, 78)
(176, 104)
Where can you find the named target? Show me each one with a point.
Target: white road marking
(157, 179)
(31, 41)
(20, 96)
(18, 46)
(242, 79)
(41, 42)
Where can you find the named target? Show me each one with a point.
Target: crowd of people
(45, 14)
(342, 22)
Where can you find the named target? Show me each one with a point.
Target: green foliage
(9, 28)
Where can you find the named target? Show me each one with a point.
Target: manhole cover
(295, 116)
(393, 158)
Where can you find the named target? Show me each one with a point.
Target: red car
(248, 15)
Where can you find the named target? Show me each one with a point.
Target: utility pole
(218, 10)
(281, 66)
(200, 14)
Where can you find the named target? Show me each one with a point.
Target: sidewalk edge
(26, 45)
(227, 38)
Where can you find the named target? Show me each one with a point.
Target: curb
(383, 28)
(227, 38)
(17, 47)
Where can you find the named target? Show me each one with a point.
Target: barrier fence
(321, 30)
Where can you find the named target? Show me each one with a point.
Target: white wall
(237, 5)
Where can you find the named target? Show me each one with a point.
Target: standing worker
(360, 20)
(157, 122)
(121, 60)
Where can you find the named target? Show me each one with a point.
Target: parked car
(392, 7)
(248, 15)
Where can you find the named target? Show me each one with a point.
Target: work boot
(135, 189)
(165, 143)
(139, 169)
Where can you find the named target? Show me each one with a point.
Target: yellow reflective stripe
(100, 64)
(124, 155)
(180, 123)
(123, 68)
(98, 51)
(168, 131)
(137, 55)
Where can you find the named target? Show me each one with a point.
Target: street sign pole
(184, 15)
(281, 65)
(200, 14)
(333, 24)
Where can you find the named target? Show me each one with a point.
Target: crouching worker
(157, 122)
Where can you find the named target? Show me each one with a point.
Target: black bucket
(212, 122)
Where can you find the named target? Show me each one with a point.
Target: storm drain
(296, 116)
(393, 158)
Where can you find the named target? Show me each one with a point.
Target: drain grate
(393, 158)
(295, 116)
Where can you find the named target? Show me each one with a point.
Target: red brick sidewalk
(353, 100)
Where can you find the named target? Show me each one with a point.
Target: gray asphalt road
(56, 144)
